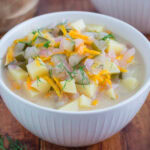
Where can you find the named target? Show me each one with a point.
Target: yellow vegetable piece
(84, 102)
(122, 69)
(18, 74)
(130, 59)
(115, 46)
(88, 90)
(111, 94)
(37, 69)
(41, 85)
(95, 102)
(57, 82)
(10, 54)
(63, 29)
(16, 86)
(52, 83)
(77, 35)
(31, 92)
(69, 86)
(72, 106)
(35, 37)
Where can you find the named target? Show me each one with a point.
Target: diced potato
(69, 86)
(75, 59)
(41, 85)
(30, 37)
(72, 106)
(94, 28)
(79, 25)
(111, 93)
(115, 46)
(31, 92)
(111, 67)
(49, 37)
(130, 83)
(88, 90)
(37, 69)
(95, 45)
(68, 44)
(84, 102)
(17, 73)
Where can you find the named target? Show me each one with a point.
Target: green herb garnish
(26, 43)
(50, 72)
(38, 80)
(109, 36)
(47, 44)
(81, 69)
(12, 145)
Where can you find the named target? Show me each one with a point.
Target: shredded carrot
(34, 37)
(57, 82)
(63, 29)
(56, 45)
(29, 83)
(119, 57)
(37, 62)
(76, 35)
(25, 39)
(130, 59)
(92, 52)
(10, 54)
(47, 95)
(52, 83)
(122, 69)
(16, 86)
(95, 102)
(45, 58)
(39, 44)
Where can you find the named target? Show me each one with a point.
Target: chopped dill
(38, 80)
(26, 43)
(50, 72)
(109, 36)
(47, 44)
(12, 144)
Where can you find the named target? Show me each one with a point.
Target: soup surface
(73, 66)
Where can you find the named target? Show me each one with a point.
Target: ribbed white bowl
(75, 128)
(135, 12)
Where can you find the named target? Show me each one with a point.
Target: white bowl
(135, 12)
(75, 128)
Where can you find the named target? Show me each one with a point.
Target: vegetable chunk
(84, 102)
(79, 25)
(130, 83)
(37, 68)
(41, 85)
(17, 73)
(72, 106)
(115, 46)
(88, 90)
(69, 86)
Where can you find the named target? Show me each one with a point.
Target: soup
(73, 66)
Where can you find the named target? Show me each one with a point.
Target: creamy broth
(135, 70)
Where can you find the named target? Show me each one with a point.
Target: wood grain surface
(135, 136)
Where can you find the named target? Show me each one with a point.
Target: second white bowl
(135, 12)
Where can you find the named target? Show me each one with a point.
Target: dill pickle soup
(73, 67)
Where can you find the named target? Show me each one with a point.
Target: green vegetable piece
(47, 44)
(20, 57)
(109, 36)
(95, 46)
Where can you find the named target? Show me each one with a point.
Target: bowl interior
(120, 28)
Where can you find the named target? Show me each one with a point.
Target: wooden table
(135, 136)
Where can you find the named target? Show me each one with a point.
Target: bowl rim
(96, 111)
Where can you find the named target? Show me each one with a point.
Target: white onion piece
(88, 63)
